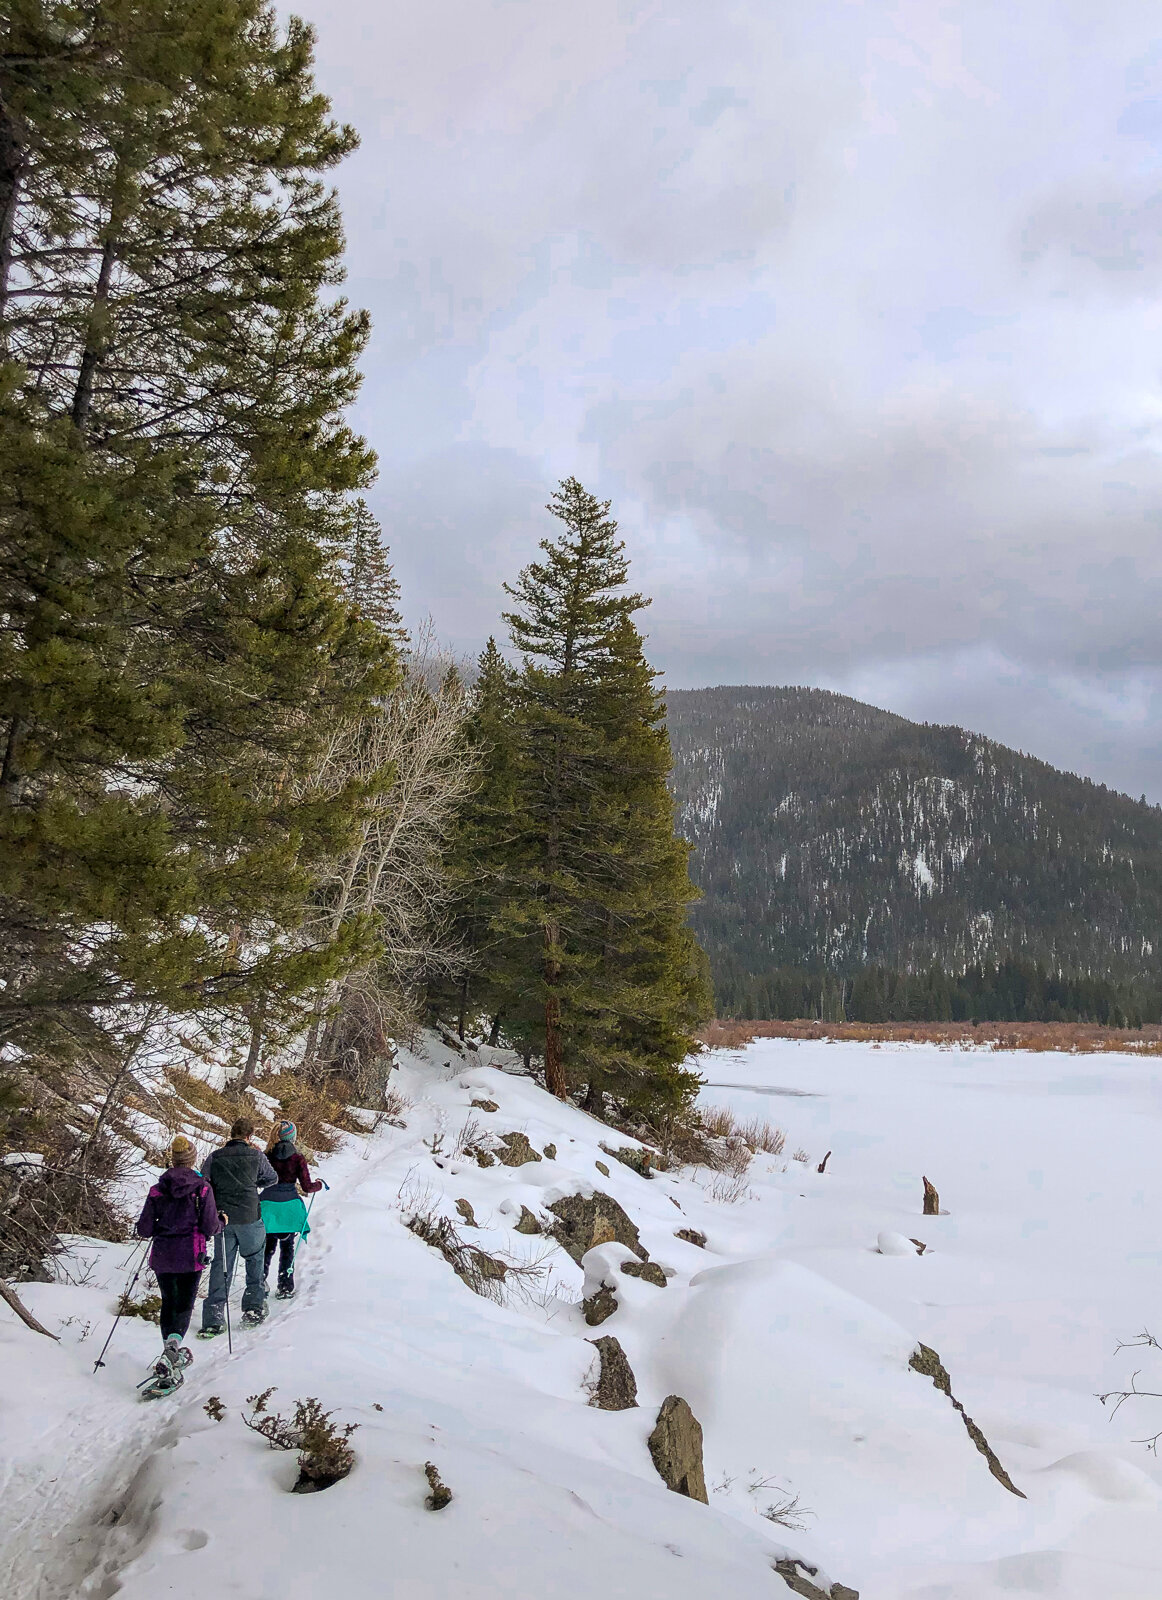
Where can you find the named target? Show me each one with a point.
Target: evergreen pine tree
(484, 838)
(596, 881)
(174, 473)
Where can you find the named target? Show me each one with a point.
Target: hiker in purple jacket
(179, 1215)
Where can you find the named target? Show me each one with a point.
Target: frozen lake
(1048, 1167)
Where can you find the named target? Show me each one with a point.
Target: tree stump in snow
(676, 1449)
(931, 1200)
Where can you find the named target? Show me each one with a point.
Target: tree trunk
(592, 1100)
(11, 778)
(554, 1054)
(8, 1293)
(554, 1062)
(494, 1031)
(97, 337)
(13, 159)
(255, 1052)
(462, 1018)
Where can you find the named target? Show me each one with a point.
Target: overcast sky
(853, 310)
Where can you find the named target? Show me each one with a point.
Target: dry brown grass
(202, 1096)
(319, 1111)
(1079, 1037)
(720, 1124)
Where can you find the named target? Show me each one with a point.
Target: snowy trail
(789, 1335)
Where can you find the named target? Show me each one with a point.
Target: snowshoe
(163, 1380)
(253, 1319)
(286, 1291)
(212, 1331)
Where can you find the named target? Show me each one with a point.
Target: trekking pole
(229, 1281)
(100, 1361)
(303, 1234)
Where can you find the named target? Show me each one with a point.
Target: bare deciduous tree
(417, 768)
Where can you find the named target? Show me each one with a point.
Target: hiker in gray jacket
(236, 1173)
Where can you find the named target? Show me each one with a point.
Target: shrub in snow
(324, 1453)
(440, 1492)
(148, 1308)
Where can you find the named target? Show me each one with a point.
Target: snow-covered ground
(789, 1335)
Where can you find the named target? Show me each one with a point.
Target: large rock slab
(676, 1449)
(584, 1221)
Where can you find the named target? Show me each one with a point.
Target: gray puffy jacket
(236, 1173)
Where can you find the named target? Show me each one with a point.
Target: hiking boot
(286, 1288)
(176, 1354)
(252, 1319)
(212, 1330)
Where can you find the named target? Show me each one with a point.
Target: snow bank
(789, 1336)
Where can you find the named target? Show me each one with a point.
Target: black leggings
(286, 1254)
(179, 1290)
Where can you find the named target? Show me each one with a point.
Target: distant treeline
(1012, 990)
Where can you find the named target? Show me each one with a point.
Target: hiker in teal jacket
(283, 1210)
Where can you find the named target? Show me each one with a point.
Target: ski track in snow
(789, 1335)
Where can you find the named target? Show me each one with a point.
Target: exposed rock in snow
(895, 1244)
(649, 1270)
(589, 1220)
(517, 1150)
(599, 1306)
(691, 1236)
(800, 1579)
(615, 1388)
(676, 1449)
(926, 1361)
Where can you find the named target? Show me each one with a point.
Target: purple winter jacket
(179, 1215)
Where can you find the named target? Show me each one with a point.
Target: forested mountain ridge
(829, 834)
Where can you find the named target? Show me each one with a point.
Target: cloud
(851, 308)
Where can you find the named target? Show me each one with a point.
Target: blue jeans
(245, 1239)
